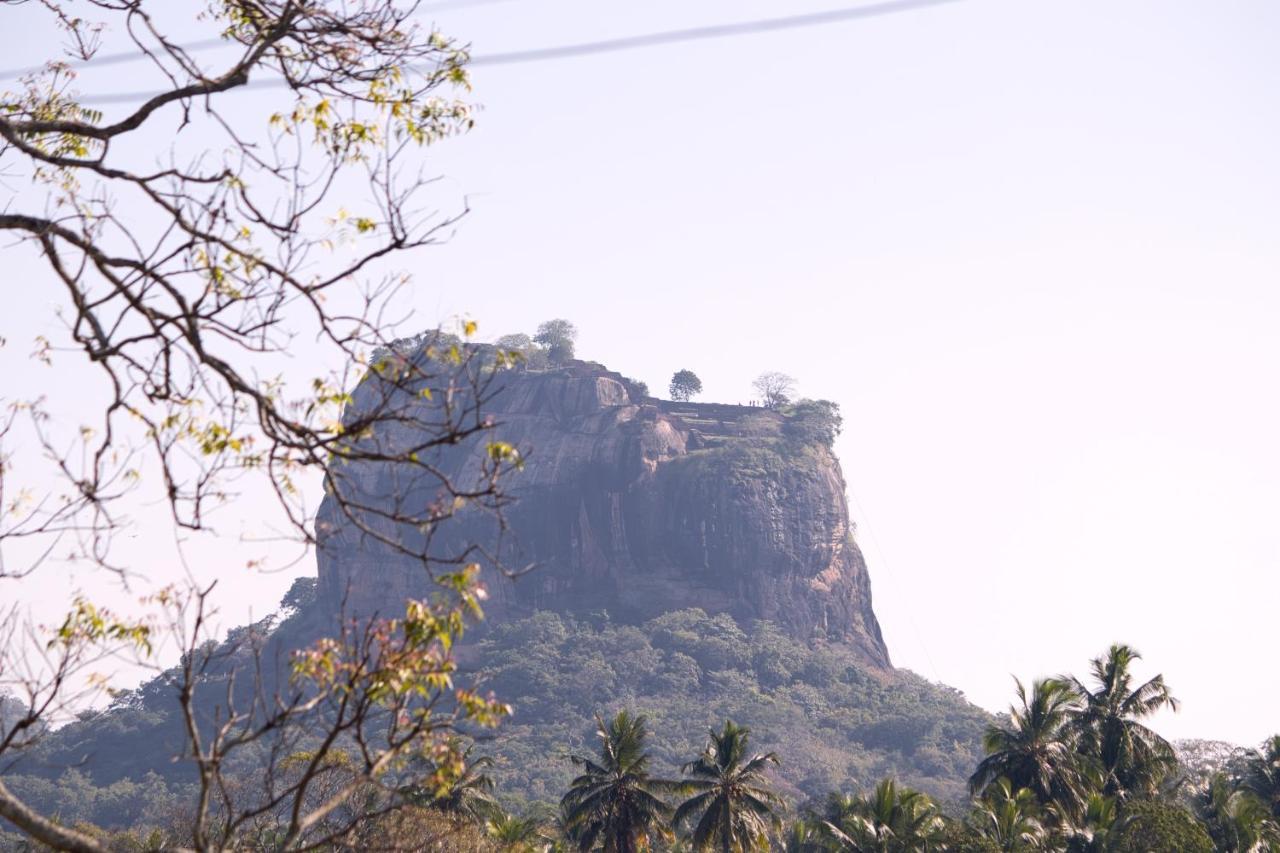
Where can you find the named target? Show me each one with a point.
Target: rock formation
(631, 505)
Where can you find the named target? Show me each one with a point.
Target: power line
(716, 31)
(711, 32)
(208, 44)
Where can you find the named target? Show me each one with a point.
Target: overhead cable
(715, 31)
(211, 43)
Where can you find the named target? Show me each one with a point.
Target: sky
(1031, 248)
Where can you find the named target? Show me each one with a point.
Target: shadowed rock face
(635, 506)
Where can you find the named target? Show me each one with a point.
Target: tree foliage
(1153, 825)
(685, 385)
(615, 802)
(1236, 819)
(191, 246)
(813, 421)
(185, 285)
(890, 819)
(1261, 775)
(686, 671)
(1035, 750)
(775, 389)
(698, 665)
(1133, 759)
(1009, 818)
(731, 804)
(557, 337)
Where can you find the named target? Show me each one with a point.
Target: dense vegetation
(805, 750)
(685, 385)
(840, 725)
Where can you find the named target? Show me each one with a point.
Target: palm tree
(614, 801)
(1093, 832)
(1133, 759)
(1236, 818)
(1009, 818)
(516, 833)
(804, 836)
(890, 820)
(556, 834)
(1036, 750)
(1261, 775)
(469, 797)
(732, 807)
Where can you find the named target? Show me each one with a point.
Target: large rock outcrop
(631, 505)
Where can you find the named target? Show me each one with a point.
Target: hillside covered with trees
(802, 749)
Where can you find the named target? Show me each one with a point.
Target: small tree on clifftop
(522, 346)
(775, 389)
(558, 337)
(685, 385)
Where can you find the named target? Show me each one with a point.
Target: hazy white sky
(1030, 246)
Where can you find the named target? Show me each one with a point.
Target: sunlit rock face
(626, 504)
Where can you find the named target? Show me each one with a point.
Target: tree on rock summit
(558, 337)
(775, 389)
(685, 385)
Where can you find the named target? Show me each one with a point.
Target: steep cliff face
(635, 506)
